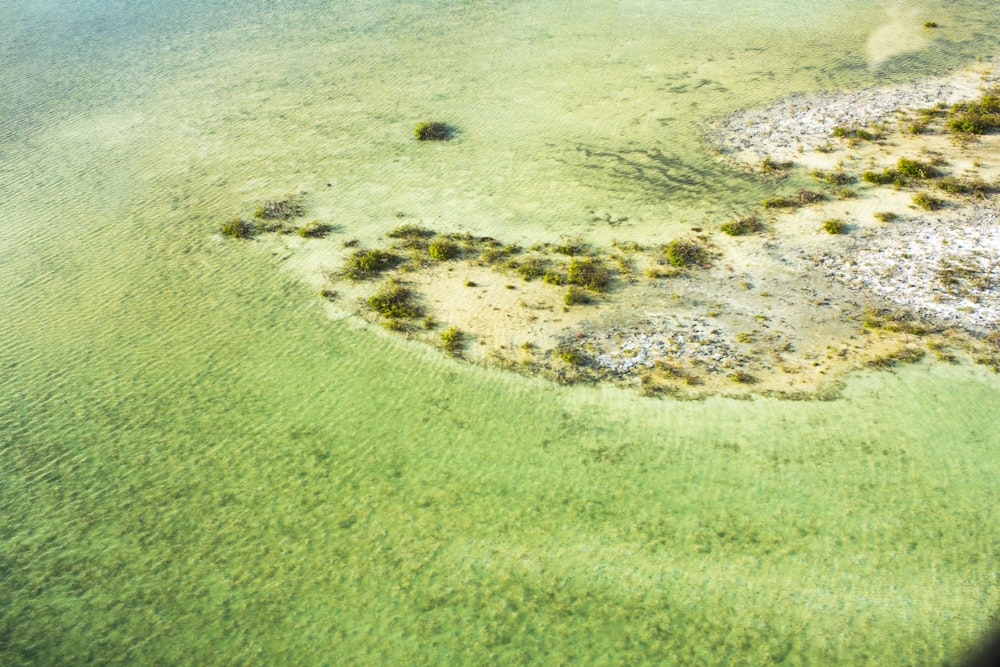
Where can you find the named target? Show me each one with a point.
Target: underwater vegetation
(432, 130)
(364, 264)
(239, 229)
(742, 225)
(314, 230)
(279, 209)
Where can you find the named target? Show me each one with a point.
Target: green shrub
(571, 247)
(432, 130)
(780, 202)
(879, 177)
(530, 267)
(569, 354)
(410, 232)
(927, 202)
(685, 252)
(576, 296)
(885, 216)
(395, 302)
(363, 264)
(930, 24)
(834, 226)
(916, 168)
(553, 277)
(314, 230)
(769, 166)
(833, 177)
(239, 229)
(589, 273)
(844, 132)
(979, 117)
(443, 249)
(452, 340)
(742, 225)
(743, 377)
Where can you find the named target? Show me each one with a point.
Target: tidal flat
(213, 453)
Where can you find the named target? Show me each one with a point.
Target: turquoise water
(198, 466)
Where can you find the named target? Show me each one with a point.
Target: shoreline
(783, 306)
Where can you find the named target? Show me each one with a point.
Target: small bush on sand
(364, 264)
(589, 273)
(685, 252)
(575, 296)
(927, 202)
(314, 230)
(834, 226)
(443, 249)
(452, 340)
(394, 301)
(742, 225)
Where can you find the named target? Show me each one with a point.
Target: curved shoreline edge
(844, 275)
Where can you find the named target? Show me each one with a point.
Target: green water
(199, 467)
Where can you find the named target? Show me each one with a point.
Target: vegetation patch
(571, 247)
(885, 216)
(832, 176)
(771, 166)
(279, 209)
(239, 229)
(534, 266)
(802, 198)
(685, 252)
(834, 226)
(928, 202)
(575, 296)
(916, 169)
(742, 225)
(569, 354)
(443, 249)
(979, 117)
(314, 230)
(394, 301)
(845, 132)
(452, 340)
(365, 264)
(590, 273)
(432, 130)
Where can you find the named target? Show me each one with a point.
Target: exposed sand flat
(801, 123)
(785, 310)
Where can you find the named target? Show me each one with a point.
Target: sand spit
(851, 272)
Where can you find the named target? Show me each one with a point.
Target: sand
(786, 311)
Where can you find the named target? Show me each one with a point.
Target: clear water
(198, 466)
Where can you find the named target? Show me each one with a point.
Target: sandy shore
(786, 309)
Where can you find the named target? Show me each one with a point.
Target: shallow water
(198, 463)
